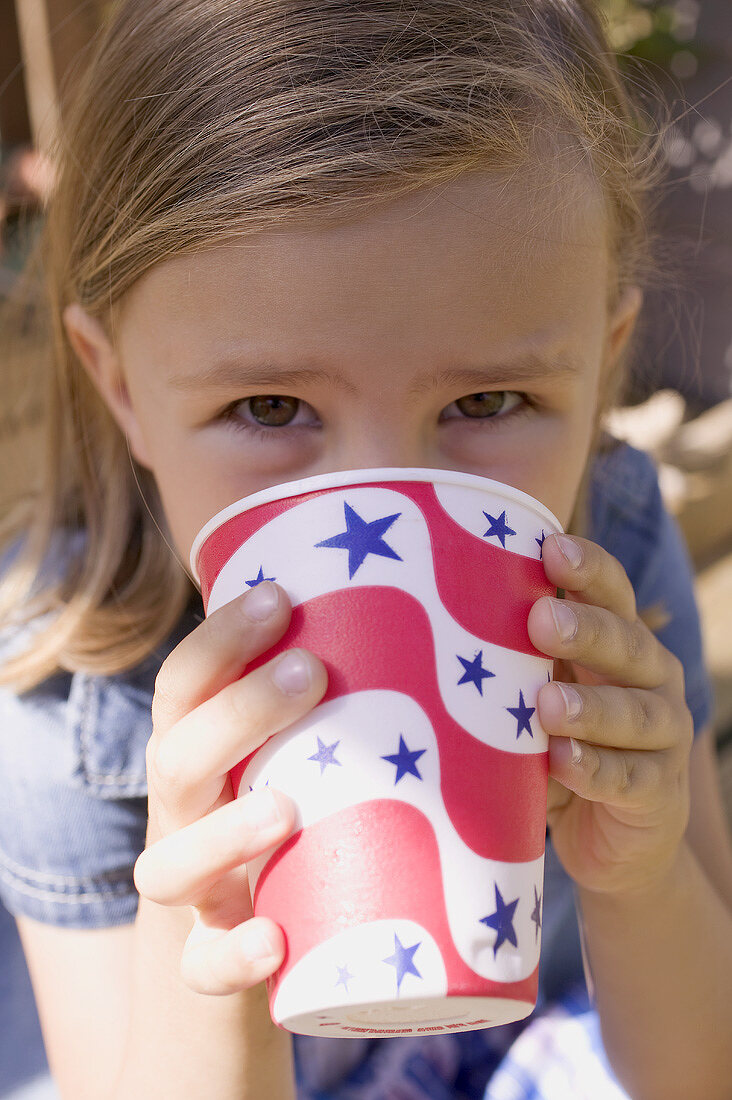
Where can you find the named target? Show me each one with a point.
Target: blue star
(361, 538)
(541, 544)
(344, 976)
(251, 788)
(498, 528)
(474, 672)
(259, 578)
(402, 960)
(502, 921)
(522, 714)
(325, 756)
(405, 760)
(536, 915)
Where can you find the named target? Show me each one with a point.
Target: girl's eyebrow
(230, 372)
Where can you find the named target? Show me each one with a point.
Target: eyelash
(257, 431)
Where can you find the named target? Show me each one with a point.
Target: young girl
(293, 238)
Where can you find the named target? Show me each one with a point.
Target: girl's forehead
(518, 239)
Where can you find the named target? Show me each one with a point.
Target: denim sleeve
(73, 816)
(632, 523)
(73, 813)
(670, 579)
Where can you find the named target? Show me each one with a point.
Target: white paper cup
(410, 891)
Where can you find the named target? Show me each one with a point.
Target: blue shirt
(74, 813)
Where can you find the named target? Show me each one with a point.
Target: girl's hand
(206, 718)
(620, 730)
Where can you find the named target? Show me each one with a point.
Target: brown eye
(273, 411)
(481, 404)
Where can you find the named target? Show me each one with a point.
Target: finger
(590, 573)
(600, 641)
(181, 868)
(617, 717)
(220, 962)
(557, 797)
(187, 767)
(218, 651)
(616, 777)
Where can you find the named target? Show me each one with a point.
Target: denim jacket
(73, 812)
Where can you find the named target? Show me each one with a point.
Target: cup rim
(334, 478)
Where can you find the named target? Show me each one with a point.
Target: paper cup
(410, 891)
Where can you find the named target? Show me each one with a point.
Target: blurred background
(678, 404)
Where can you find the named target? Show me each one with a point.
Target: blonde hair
(195, 123)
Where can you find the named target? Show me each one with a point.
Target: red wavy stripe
(383, 640)
(509, 583)
(495, 610)
(226, 539)
(375, 861)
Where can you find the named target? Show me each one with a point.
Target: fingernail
(572, 699)
(292, 673)
(262, 808)
(576, 750)
(259, 943)
(261, 601)
(571, 550)
(565, 619)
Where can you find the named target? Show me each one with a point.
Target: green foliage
(662, 32)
